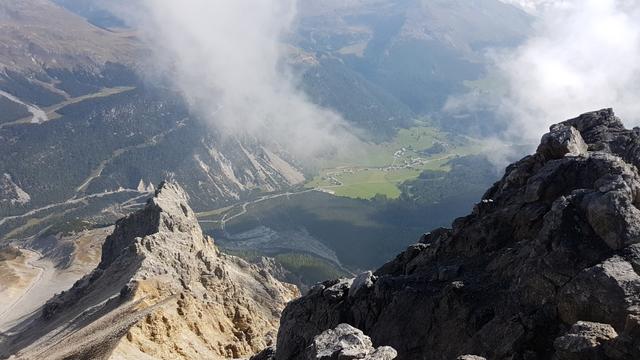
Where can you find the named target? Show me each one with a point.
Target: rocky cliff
(161, 291)
(545, 267)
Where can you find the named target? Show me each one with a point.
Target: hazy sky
(228, 59)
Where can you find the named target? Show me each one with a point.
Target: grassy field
(381, 168)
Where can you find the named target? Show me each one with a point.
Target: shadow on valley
(317, 236)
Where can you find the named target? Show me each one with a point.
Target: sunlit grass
(380, 168)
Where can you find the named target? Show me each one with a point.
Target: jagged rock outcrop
(545, 267)
(584, 341)
(346, 342)
(161, 291)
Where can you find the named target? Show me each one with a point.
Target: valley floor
(380, 168)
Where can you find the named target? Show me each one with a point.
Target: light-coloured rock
(584, 341)
(346, 342)
(362, 281)
(562, 140)
(162, 290)
(601, 293)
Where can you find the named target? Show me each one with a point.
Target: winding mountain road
(73, 200)
(39, 116)
(243, 207)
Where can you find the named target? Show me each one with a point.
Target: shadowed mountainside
(547, 266)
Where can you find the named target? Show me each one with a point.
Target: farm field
(381, 168)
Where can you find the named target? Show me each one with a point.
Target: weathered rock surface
(546, 266)
(266, 354)
(346, 342)
(584, 341)
(162, 290)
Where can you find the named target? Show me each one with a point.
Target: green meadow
(379, 169)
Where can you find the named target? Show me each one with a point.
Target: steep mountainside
(388, 61)
(75, 114)
(75, 117)
(162, 290)
(546, 267)
(48, 54)
(38, 35)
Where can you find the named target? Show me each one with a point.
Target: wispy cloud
(534, 6)
(583, 55)
(229, 61)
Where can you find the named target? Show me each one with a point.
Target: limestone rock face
(161, 291)
(546, 266)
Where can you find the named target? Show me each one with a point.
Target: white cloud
(533, 6)
(583, 55)
(227, 59)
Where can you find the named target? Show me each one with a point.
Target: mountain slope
(546, 267)
(37, 35)
(162, 290)
(78, 125)
(95, 11)
(416, 52)
(48, 54)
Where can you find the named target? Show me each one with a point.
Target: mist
(582, 55)
(229, 61)
(533, 6)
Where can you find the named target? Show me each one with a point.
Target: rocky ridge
(547, 266)
(162, 290)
